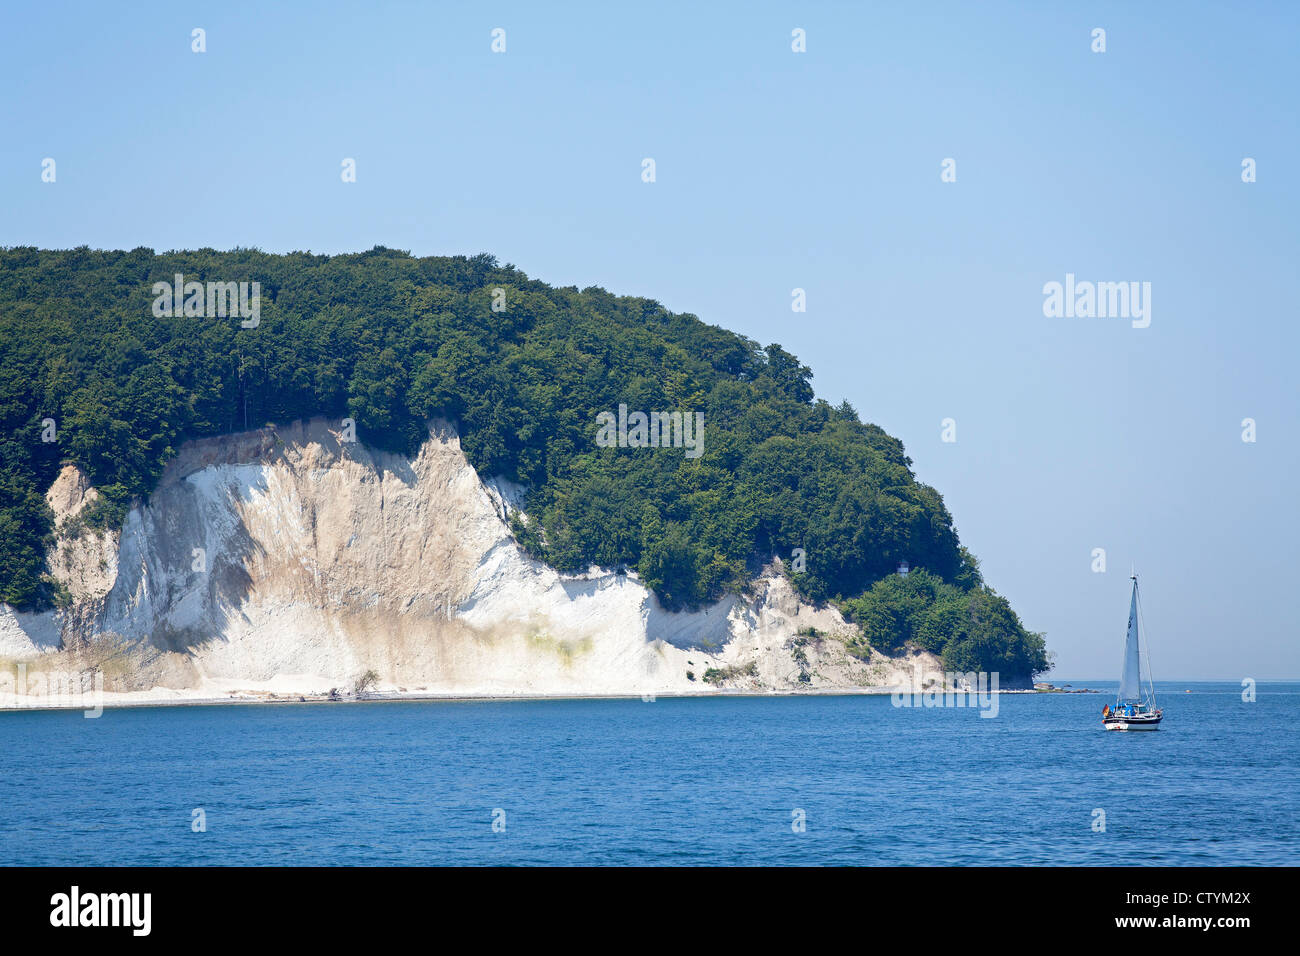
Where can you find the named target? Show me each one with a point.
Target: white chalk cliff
(287, 560)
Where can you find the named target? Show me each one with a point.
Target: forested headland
(89, 373)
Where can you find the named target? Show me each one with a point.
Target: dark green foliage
(972, 630)
(393, 341)
(720, 675)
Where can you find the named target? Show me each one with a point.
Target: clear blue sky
(778, 170)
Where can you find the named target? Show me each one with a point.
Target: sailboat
(1133, 710)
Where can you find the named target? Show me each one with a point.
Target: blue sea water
(673, 781)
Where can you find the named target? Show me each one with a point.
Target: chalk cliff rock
(287, 560)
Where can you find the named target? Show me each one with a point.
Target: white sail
(1130, 684)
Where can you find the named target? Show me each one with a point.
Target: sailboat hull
(1138, 722)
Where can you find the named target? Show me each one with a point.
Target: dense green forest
(393, 341)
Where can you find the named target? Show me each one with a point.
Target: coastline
(166, 697)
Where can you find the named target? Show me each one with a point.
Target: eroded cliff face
(288, 560)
